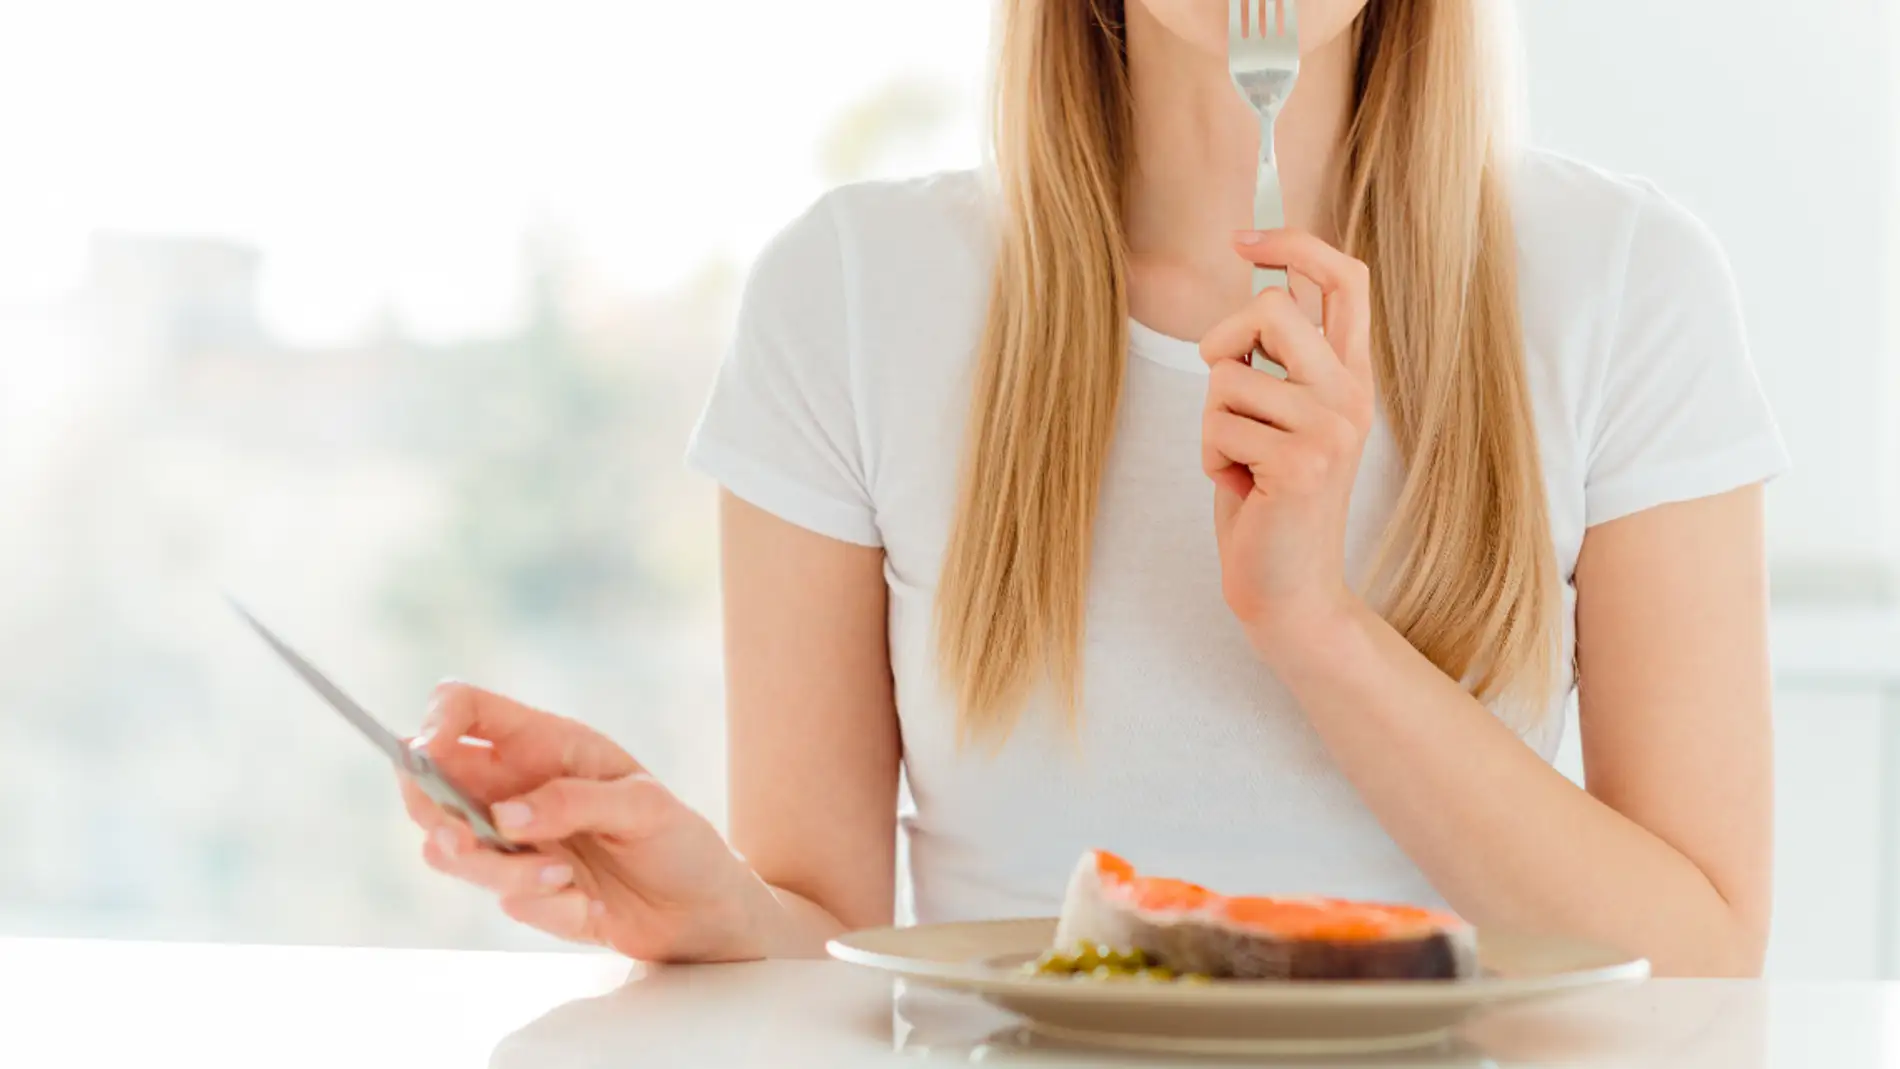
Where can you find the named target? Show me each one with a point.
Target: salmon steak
(1191, 930)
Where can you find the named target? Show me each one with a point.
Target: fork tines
(1254, 13)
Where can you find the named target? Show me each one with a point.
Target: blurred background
(392, 318)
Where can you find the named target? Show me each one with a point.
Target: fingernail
(557, 876)
(432, 718)
(1249, 237)
(512, 815)
(446, 841)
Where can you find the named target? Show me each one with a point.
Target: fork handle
(1269, 213)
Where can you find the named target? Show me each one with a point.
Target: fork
(1263, 55)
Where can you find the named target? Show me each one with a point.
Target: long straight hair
(1466, 571)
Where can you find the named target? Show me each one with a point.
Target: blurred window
(393, 318)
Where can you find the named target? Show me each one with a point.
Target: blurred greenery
(548, 459)
(555, 514)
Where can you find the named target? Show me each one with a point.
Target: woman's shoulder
(852, 322)
(881, 277)
(1607, 258)
(1633, 324)
(1549, 177)
(891, 229)
(1591, 235)
(941, 203)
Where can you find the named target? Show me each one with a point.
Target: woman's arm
(1668, 853)
(811, 723)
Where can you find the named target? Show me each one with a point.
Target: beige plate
(1230, 1017)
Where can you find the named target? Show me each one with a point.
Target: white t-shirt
(841, 408)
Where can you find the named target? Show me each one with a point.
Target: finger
(1345, 282)
(421, 808)
(457, 709)
(448, 852)
(631, 807)
(1273, 322)
(566, 915)
(529, 745)
(1235, 387)
(1228, 440)
(483, 770)
(1235, 480)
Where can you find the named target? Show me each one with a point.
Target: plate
(1231, 1016)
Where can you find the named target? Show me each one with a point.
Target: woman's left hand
(1284, 454)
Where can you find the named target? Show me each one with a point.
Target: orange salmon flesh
(1331, 919)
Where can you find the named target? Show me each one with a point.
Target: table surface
(106, 1004)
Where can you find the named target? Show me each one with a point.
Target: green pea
(1053, 962)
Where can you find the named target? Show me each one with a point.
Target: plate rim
(990, 980)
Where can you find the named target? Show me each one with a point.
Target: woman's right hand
(613, 857)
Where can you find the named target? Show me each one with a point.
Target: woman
(965, 534)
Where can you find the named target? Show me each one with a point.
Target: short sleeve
(1679, 411)
(781, 428)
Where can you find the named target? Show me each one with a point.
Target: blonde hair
(1466, 572)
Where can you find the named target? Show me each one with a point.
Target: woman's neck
(1192, 186)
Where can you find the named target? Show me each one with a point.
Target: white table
(108, 1005)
